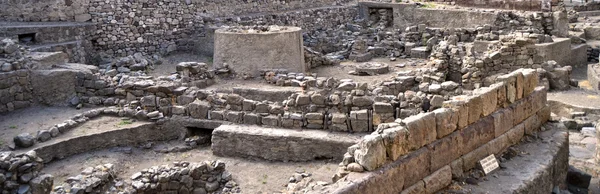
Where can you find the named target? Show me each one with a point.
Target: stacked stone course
(427, 149)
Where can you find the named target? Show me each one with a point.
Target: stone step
(541, 166)
(45, 60)
(419, 52)
(278, 144)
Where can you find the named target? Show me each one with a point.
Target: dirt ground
(253, 176)
(31, 120)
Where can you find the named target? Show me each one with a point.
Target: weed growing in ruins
(13, 126)
(125, 122)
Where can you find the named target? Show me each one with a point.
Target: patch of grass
(428, 5)
(13, 127)
(210, 60)
(125, 122)
(1, 142)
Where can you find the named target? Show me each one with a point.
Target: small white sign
(489, 164)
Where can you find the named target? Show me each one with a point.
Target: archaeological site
(300, 96)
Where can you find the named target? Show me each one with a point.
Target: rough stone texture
(248, 52)
(502, 121)
(269, 144)
(438, 180)
(418, 162)
(446, 150)
(538, 172)
(446, 121)
(371, 152)
(421, 130)
(478, 134)
(416, 188)
(143, 132)
(53, 94)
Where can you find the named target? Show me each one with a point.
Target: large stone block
(510, 82)
(521, 109)
(199, 109)
(530, 81)
(446, 121)
(53, 87)
(422, 129)
(496, 146)
(538, 99)
(418, 163)
(438, 180)
(396, 142)
(501, 95)
(475, 105)
(489, 99)
(532, 124)
(445, 150)
(516, 133)
(459, 107)
(544, 114)
(477, 134)
(471, 159)
(502, 121)
(371, 153)
(417, 188)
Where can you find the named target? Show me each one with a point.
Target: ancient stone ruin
(328, 96)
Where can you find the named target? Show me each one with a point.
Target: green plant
(210, 60)
(124, 122)
(13, 127)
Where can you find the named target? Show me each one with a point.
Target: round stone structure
(250, 50)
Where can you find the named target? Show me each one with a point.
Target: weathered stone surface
(24, 140)
(516, 133)
(489, 99)
(422, 130)
(42, 184)
(445, 150)
(532, 124)
(446, 121)
(475, 105)
(396, 142)
(477, 134)
(498, 145)
(502, 121)
(471, 159)
(418, 163)
(199, 109)
(530, 81)
(510, 83)
(417, 188)
(438, 180)
(274, 143)
(458, 106)
(371, 153)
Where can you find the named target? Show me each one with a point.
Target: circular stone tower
(250, 50)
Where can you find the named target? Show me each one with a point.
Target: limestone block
(489, 99)
(471, 159)
(417, 188)
(519, 84)
(458, 105)
(446, 121)
(532, 124)
(217, 115)
(422, 129)
(379, 118)
(510, 82)
(496, 146)
(445, 150)
(530, 81)
(271, 120)
(477, 134)
(544, 115)
(382, 107)
(418, 163)
(234, 116)
(457, 168)
(199, 109)
(516, 133)
(438, 180)
(539, 99)
(475, 105)
(520, 111)
(371, 153)
(502, 121)
(501, 89)
(396, 142)
(251, 119)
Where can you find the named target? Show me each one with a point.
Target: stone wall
(427, 149)
(20, 173)
(185, 177)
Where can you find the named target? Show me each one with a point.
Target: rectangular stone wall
(15, 90)
(433, 147)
